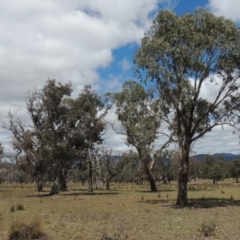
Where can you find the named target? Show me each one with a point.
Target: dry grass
(26, 231)
(20, 207)
(127, 212)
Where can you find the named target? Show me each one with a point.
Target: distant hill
(226, 156)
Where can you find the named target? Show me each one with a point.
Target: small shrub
(23, 231)
(222, 192)
(20, 207)
(119, 235)
(208, 228)
(12, 209)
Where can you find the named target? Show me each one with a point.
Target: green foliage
(132, 172)
(139, 116)
(214, 168)
(180, 55)
(162, 169)
(235, 169)
(63, 129)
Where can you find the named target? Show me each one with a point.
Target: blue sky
(126, 53)
(86, 42)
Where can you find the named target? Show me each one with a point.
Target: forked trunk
(150, 178)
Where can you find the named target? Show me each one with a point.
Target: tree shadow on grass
(67, 193)
(158, 191)
(89, 194)
(158, 201)
(197, 203)
(212, 202)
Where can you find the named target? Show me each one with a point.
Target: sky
(87, 42)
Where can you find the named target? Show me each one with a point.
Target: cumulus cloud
(226, 8)
(219, 140)
(71, 40)
(126, 65)
(66, 40)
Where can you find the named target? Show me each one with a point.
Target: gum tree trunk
(62, 182)
(183, 179)
(55, 187)
(39, 185)
(150, 178)
(90, 173)
(182, 186)
(108, 184)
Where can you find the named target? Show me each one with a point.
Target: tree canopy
(181, 55)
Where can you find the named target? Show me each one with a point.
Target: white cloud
(126, 65)
(65, 40)
(226, 8)
(70, 40)
(219, 140)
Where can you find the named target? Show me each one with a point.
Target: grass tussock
(20, 207)
(208, 228)
(23, 231)
(118, 235)
(12, 209)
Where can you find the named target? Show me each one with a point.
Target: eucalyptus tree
(62, 130)
(87, 125)
(162, 169)
(214, 167)
(29, 155)
(132, 172)
(111, 165)
(139, 115)
(184, 56)
(235, 169)
(49, 113)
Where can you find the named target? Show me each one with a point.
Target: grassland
(126, 212)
